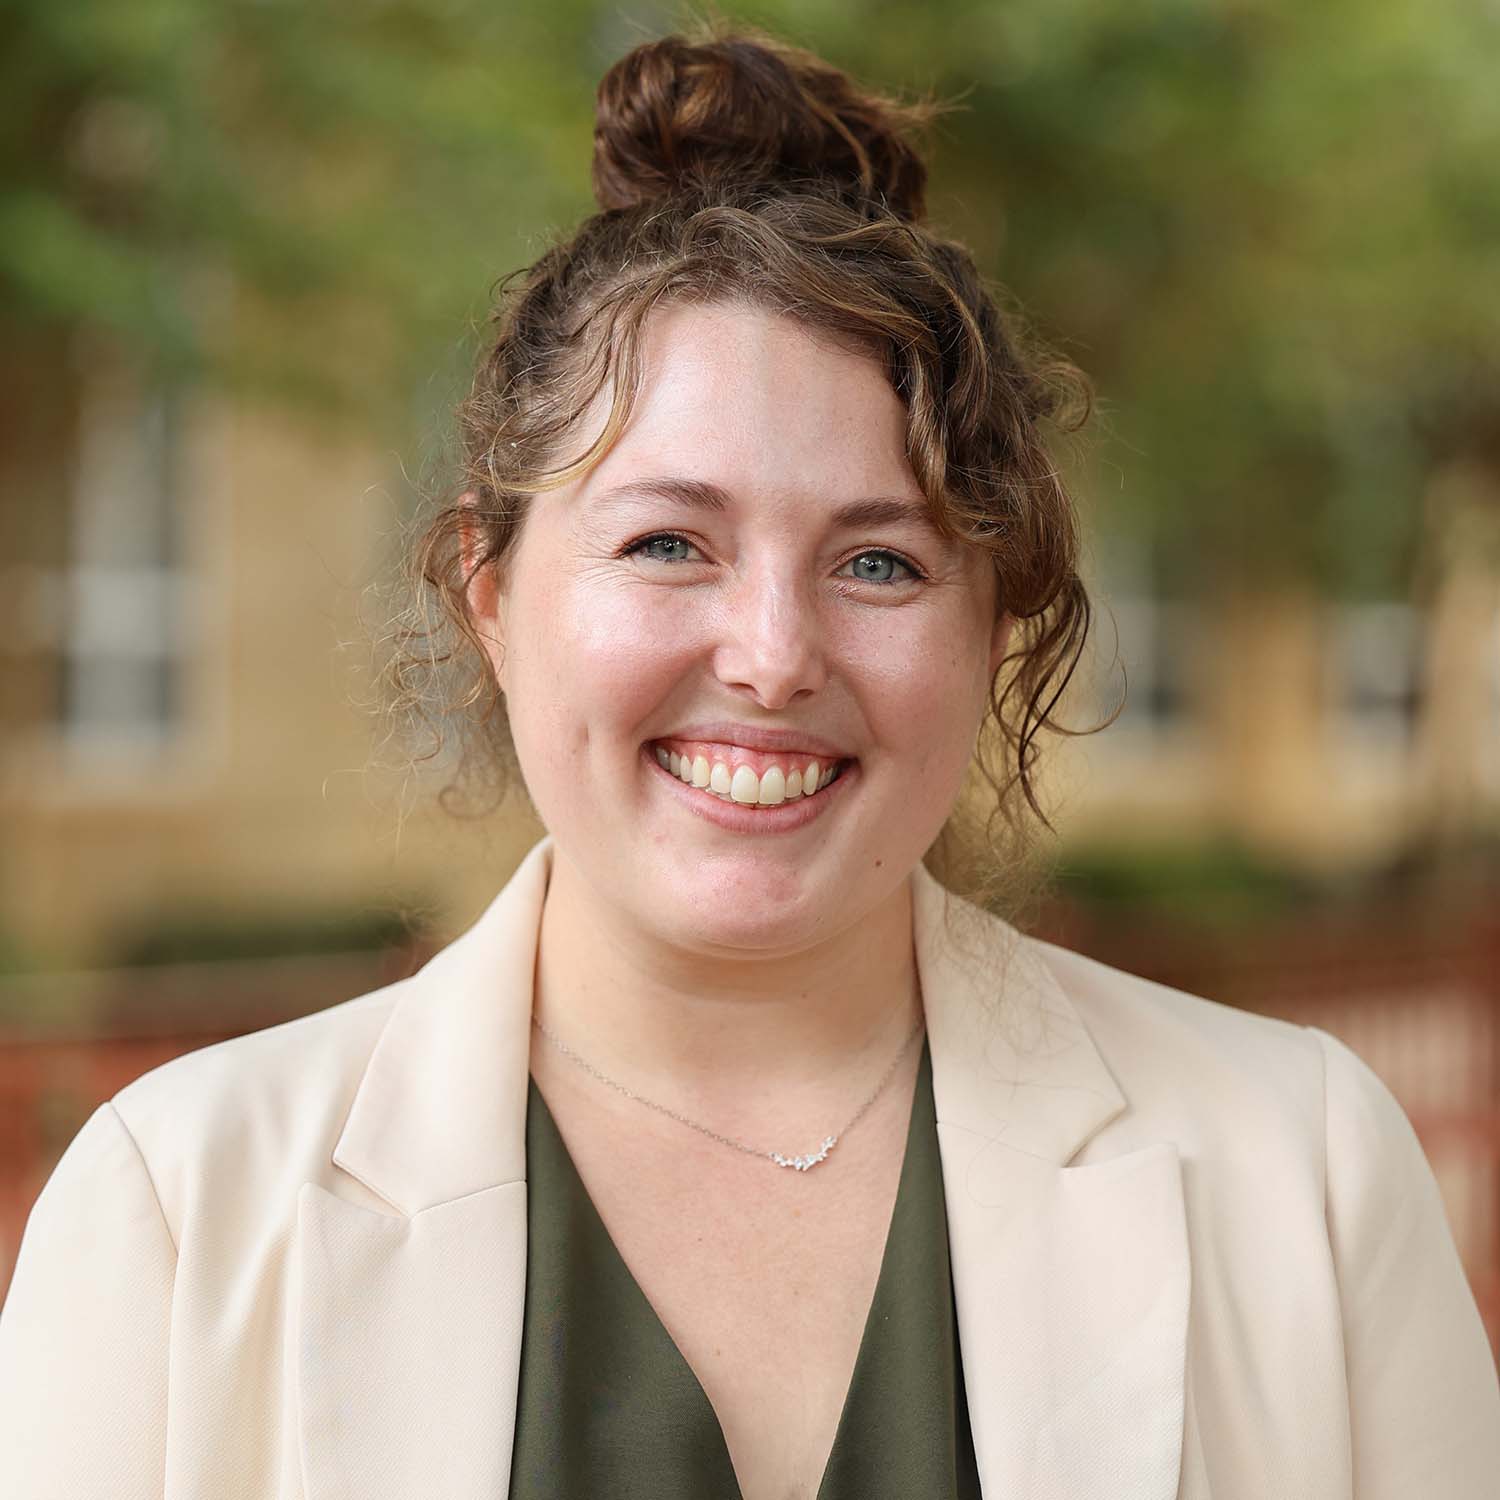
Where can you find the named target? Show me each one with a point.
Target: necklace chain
(797, 1163)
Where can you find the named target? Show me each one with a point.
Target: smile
(683, 764)
(746, 777)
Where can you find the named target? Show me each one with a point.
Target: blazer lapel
(1071, 1282)
(408, 1336)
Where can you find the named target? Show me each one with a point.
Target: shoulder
(1316, 1221)
(227, 1119)
(1195, 1066)
(1232, 1083)
(1280, 1126)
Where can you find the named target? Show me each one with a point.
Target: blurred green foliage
(1268, 230)
(15, 956)
(354, 171)
(193, 937)
(1217, 881)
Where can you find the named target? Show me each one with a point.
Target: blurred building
(183, 677)
(183, 674)
(185, 742)
(1325, 732)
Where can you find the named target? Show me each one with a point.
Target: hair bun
(740, 103)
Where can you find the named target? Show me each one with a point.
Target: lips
(798, 744)
(745, 804)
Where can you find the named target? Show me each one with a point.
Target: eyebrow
(701, 494)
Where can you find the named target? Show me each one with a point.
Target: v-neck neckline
(601, 1243)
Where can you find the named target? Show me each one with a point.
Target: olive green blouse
(608, 1406)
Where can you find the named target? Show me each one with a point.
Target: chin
(706, 926)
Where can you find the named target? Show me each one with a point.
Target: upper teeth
(741, 784)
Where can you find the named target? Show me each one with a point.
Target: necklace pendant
(806, 1163)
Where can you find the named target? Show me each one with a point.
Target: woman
(729, 1153)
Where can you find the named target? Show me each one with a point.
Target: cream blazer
(1196, 1252)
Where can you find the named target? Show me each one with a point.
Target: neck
(693, 1028)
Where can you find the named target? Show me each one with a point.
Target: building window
(118, 609)
(1145, 647)
(1157, 642)
(1490, 750)
(1375, 670)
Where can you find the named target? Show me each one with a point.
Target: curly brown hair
(733, 167)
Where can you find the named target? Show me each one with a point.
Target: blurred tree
(1267, 229)
(346, 177)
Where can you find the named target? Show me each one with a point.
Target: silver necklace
(797, 1163)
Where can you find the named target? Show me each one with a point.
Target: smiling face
(751, 556)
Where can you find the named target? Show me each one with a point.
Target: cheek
(924, 709)
(922, 686)
(592, 653)
(607, 628)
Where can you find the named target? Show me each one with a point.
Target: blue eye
(647, 542)
(881, 559)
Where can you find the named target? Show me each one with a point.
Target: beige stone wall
(1272, 756)
(268, 801)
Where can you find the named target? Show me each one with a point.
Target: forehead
(755, 402)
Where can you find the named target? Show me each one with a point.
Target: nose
(771, 646)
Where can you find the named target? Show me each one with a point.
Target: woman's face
(703, 593)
